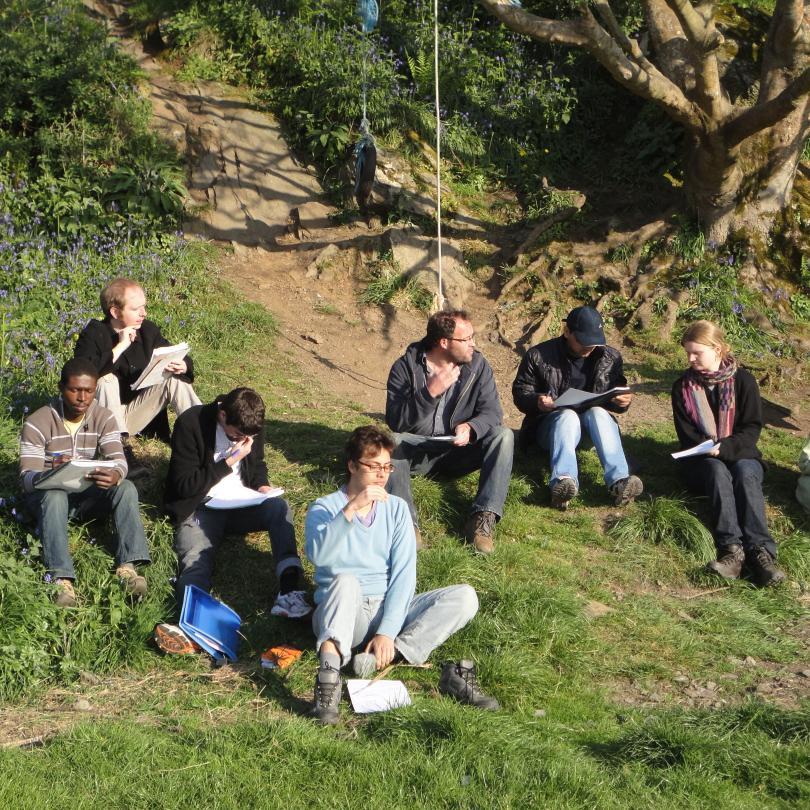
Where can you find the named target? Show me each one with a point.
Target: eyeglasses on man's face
(468, 339)
(377, 468)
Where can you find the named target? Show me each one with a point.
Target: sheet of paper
(700, 450)
(574, 397)
(72, 475)
(230, 493)
(377, 696)
(155, 370)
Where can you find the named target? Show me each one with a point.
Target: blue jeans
(561, 431)
(54, 507)
(734, 490)
(350, 619)
(198, 536)
(422, 455)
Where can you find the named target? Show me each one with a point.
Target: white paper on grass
(701, 449)
(155, 370)
(72, 475)
(377, 696)
(231, 493)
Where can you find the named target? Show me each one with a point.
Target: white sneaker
(292, 605)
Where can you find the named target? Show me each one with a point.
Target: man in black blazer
(120, 347)
(218, 453)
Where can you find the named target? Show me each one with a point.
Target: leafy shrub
(74, 132)
(49, 290)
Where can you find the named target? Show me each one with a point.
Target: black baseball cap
(586, 324)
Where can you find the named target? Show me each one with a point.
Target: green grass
(576, 729)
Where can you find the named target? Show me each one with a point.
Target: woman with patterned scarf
(718, 400)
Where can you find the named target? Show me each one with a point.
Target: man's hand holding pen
(239, 450)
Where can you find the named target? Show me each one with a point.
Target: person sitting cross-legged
(577, 359)
(75, 426)
(218, 452)
(361, 541)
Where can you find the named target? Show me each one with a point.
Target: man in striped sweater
(75, 426)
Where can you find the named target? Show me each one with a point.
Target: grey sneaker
(563, 492)
(131, 581)
(764, 568)
(729, 562)
(364, 665)
(65, 594)
(459, 680)
(626, 490)
(327, 695)
(479, 529)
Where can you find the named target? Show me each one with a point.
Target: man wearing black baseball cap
(578, 359)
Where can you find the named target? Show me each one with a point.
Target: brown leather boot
(478, 531)
(729, 562)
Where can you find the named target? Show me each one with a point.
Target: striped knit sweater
(44, 436)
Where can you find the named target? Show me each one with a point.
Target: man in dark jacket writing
(218, 459)
(577, 359)
(443, 406)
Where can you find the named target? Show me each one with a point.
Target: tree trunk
(744, 156)
(745, 188)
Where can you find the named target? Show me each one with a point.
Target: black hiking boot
(134, 467)
(459, 681)
(764, 567)
(327, 695)
(729, 562)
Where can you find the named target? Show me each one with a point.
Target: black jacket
(96, 343)
(742, 443)
(409, 407)
(546, 369)
(192, 470)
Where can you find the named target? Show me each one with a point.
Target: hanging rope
(365, 150)
(438, 150)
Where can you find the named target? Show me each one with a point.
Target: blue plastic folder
(211, 623)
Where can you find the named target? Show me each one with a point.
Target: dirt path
(244, 177)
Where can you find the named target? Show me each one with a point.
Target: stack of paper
(155, 370)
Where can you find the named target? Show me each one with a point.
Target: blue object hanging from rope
(369, 12)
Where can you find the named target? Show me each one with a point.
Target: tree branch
(705, 39)
(564, 32)
(760, 117)
(701, 33)
(642, 79)
(782, 51)
(786, 24)
(645, 81)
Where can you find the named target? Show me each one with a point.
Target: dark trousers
(197, 537)
(734, 490)
(422, 455)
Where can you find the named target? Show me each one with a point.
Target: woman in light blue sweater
(361, 541)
